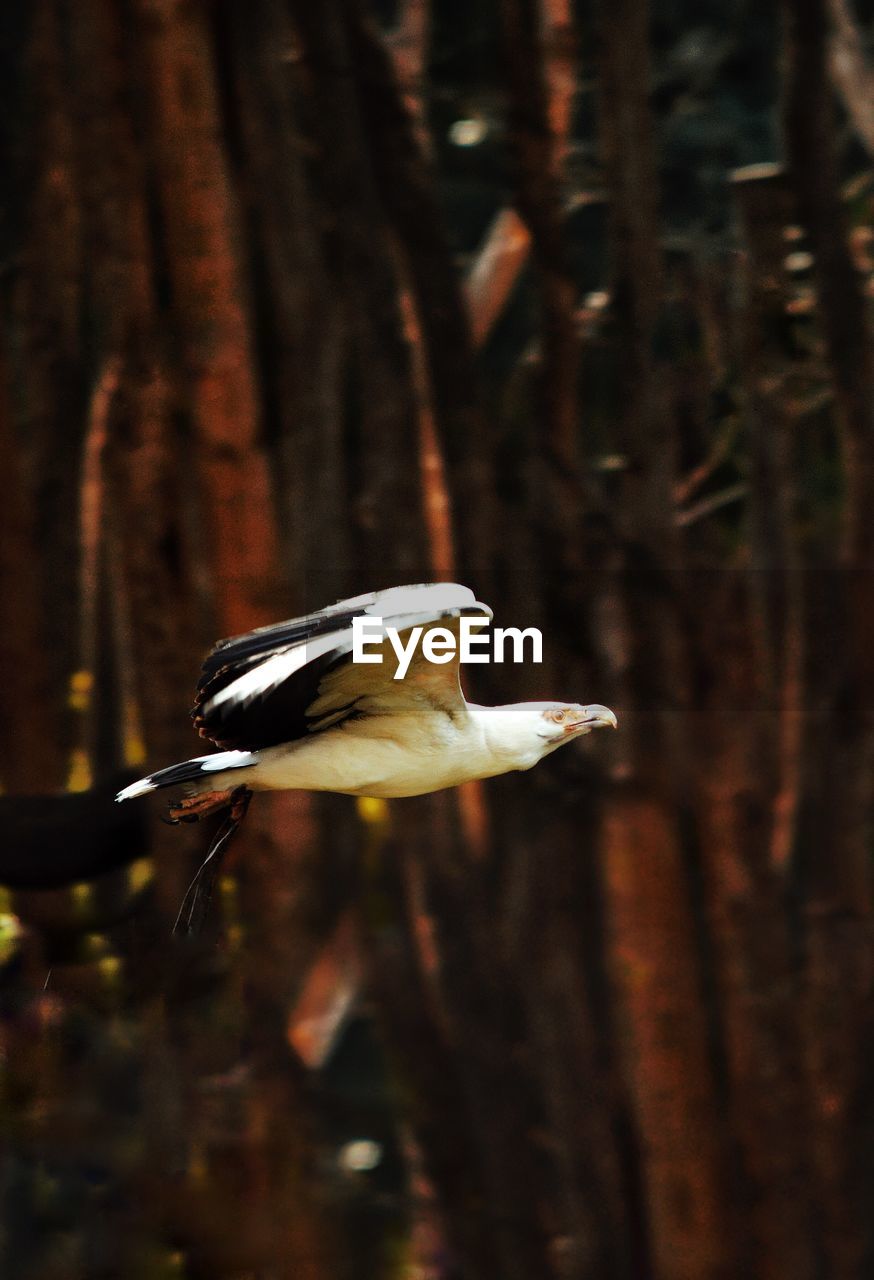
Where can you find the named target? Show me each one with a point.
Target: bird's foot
(193, 808)
(240, 797)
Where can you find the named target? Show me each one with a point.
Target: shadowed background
(566, 302)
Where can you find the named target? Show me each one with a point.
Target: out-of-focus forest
(566, 302)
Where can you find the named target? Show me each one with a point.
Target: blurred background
(569, 302)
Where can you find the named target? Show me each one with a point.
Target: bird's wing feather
(371, 689)
(280, 683)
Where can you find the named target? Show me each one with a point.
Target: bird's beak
(596, 717)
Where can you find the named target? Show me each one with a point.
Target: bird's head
(525, 732)
(560, 721)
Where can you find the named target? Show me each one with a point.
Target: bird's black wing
(279, 683)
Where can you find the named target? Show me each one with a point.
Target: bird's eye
(558, 716)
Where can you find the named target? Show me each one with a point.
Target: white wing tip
(141, 788)
(417, 597)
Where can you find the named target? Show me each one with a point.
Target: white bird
(291, 710)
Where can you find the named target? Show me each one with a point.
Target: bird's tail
(197, 770)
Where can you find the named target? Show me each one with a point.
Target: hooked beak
(596, 717)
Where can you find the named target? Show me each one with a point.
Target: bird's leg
(193, 808)
(199, 894)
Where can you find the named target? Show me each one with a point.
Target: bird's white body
(294, 710)
(393, 756)
(301, 714)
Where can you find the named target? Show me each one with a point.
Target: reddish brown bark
(656, 964)
(664, 1039)
(560, 65)
(750, 927)
(404, 182)
(457, 1028)
(202, 229)
(112, 188)
(91, 530)
(27, 704)
(768, 362)
(808, 121)
(45, 300)
(495, 272)
(361, 253)
(850, 70)
(409, 48)
(839, 971)
(302, 325)
(147, 508)
(536, 111)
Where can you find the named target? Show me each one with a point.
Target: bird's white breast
(381, 756)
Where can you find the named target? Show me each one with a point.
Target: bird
(289, 708)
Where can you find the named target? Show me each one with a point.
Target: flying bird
(289, 708)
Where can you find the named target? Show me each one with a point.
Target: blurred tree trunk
(655, 961)
(751, 739)
(202, 232)
(839, 971)
(26, 704)
(45, 378)
(538, 146)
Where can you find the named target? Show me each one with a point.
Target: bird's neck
(510, 734)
